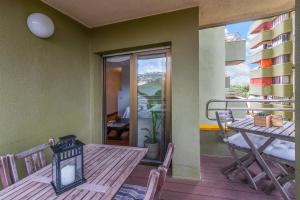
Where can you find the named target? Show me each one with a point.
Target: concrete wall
(211, 68)
(44, 82)
(216, 12)
(181, 29)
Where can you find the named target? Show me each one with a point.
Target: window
(280, 39)
(280, 19)
(281, 80)
(281, 59)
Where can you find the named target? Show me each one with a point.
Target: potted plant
(151, 141)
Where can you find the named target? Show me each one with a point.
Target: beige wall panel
(214, 12)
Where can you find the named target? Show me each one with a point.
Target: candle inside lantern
(67, 174)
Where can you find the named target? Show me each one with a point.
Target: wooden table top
(106, 169)
(118, 124)
(287, 132)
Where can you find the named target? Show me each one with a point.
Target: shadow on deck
(213, 185)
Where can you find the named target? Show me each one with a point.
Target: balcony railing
(211, 109)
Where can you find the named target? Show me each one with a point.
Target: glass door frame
(134, 96)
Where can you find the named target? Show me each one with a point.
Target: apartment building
(272, 52)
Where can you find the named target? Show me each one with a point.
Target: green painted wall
(181, 29)
(44, 82)
(211, 68)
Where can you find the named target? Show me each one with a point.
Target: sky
(151, 65)
(240, 73)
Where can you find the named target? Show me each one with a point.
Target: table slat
(106, 169)
(286, 132)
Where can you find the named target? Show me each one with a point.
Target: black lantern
(67, 164)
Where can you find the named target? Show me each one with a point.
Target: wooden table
(106, 169)
(287, 132)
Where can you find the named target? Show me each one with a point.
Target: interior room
(117, 89)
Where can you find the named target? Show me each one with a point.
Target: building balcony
(284, 114)
(284, 69)
(260, 38)
(277, 90)
(235, 52)
(281, 49)
(261, 90)
(284, 27)
(282, 90)
(260, 25)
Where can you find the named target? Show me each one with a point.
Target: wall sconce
(40, 25)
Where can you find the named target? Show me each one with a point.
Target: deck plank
(213, 185)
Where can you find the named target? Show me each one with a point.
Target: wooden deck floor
(213, 185)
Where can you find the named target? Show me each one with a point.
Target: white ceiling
(94, 13)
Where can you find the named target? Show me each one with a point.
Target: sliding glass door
(138, 101)
(152, 103)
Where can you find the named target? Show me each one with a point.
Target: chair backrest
(5, 172)
(169, 156)
(161, 181)
(152, 185)
(223, 117)
(35, 158)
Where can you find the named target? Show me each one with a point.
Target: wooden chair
(169, 156)
(136, 192)
(163, 169)
(162, 178)
(5, 172)
(236, 143)
(35, 159)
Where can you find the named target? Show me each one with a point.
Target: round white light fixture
(40, 25)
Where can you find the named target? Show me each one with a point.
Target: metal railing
(209, 107)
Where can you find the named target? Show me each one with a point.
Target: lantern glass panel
(68, 171)
(79, 169)
(54, 169)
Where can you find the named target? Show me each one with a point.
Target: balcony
(257, 26)
(53, 86)
(260, 38)
(276, 70)
(284, 27)
(285, 115)
(282, 49)
(282, 90)
(261, 90)
(235, 52)
(277, 90)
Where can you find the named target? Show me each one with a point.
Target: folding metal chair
(236, 143)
